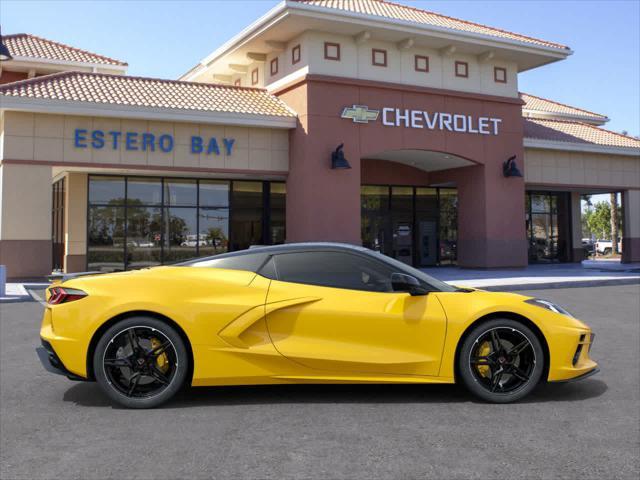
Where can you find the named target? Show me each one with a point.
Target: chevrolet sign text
(399, 117)
(396, 117)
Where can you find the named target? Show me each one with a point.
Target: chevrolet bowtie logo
(360, 114)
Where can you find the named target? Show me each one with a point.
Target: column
(631, 239)
(577, 252)
(491, 219)
(25, 220)
(75, 221)
(322, 204)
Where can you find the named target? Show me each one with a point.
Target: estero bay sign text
(136, 141)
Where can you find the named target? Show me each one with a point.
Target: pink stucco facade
(324, 204)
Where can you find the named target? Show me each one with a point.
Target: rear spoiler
(56, 278)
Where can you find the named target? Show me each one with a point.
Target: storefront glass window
(402, 220)
(105, 238)
(214, 230)
(214, 193)
(144, 191)
(144, 236)
(135, 222)
(180, 193)
(547, 218)
(426, 226)
(180, 239)
(106, 190)
(376, 230)
(448, 228)
(277, 201)
(246, 215)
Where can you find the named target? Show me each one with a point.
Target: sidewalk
(19, 292)
(590, 273)
(540, 276)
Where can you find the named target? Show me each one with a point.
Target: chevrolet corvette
(302, 313)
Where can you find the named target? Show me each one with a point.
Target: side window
(334, 269)
(249, 262)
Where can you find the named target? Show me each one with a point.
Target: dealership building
(365, 122)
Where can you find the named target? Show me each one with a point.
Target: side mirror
(401, 282)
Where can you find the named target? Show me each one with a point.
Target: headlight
(548, 305)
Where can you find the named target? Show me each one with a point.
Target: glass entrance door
(416, 225)
(548, 229)
(57, 225)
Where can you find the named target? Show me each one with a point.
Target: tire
(607, 251)
(505, 374)
(140, 362)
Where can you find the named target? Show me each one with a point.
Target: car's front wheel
(140, 362)
(501, 361)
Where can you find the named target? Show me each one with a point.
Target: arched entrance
(325, 203)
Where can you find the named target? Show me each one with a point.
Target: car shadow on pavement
(89, 394)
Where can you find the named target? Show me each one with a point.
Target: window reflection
(136, 222)
(277, 202)
(180, 193)
(180, 234)
(144, 235)
(246, 218)
(105, 240)
(106, 190)
(214, 231)
(144, 191)
(214, 193)
(416, 225)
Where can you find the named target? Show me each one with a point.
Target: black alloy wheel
(140, 362)
(501, 361)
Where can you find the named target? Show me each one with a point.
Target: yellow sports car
(302, 313)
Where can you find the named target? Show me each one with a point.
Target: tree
(598, 220)
(614, 222)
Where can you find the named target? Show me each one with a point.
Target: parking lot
(53, 428)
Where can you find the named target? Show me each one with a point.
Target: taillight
(65, 295)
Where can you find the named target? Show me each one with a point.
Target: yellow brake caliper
(161, 360)
(483, 351)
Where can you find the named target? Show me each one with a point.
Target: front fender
(465, 310)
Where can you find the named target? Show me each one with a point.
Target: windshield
(433, 283)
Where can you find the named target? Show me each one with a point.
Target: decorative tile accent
(378, 57)
(500, 74)
(462, 69)
(331, 51)
(295, 54)
(421, 63)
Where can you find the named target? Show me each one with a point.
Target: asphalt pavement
(54, 428)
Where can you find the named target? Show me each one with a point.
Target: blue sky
(166, 38)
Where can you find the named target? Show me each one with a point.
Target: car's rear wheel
(501, 361)
(140, 362)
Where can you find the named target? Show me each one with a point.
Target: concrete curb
(552, 285)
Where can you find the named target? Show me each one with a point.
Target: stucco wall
(554, 167)
(356, 62)
(324, 204)
(25, 224)
(50, 138)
